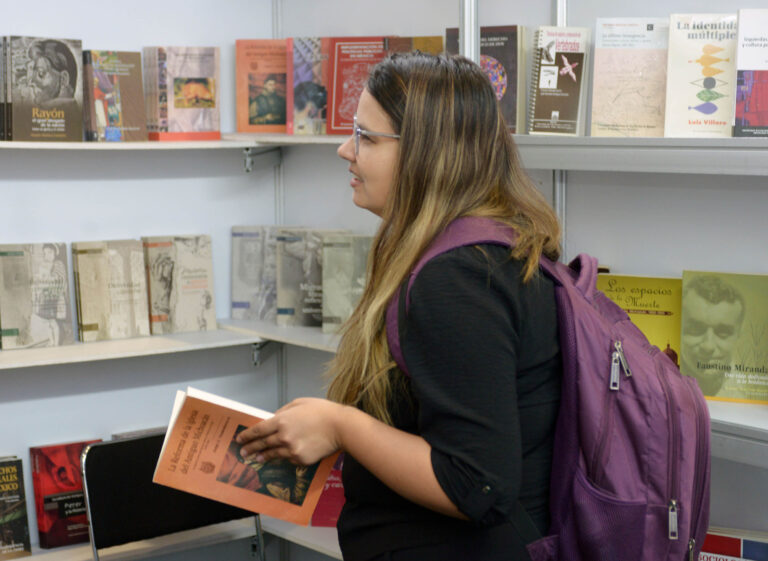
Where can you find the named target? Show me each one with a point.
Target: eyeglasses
(357, 131)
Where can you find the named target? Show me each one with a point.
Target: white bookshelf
(307, 337)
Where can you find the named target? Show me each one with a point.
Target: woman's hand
(304, 431)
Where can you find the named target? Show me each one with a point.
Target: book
(182, 93)
(557, 102)
(254, 272)
(722, 544)
(59, 498)
(300, 276)
(629, 77)
(431, 44)
(751, 105)
(308, 84)
(351, 61)
(45, 89)
(200, 455)
(345, 257)
(261, 83)
(502, 57)
(180, 281)
(331, 499)
(724, 337)
(113, 96)
(14, 524)
(652, 303)
(110, 289)
(35, 308)
(701, 75)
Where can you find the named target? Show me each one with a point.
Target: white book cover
(701, 75)
(630, 77)
(254, 271)
(751, 108)
(345, 258)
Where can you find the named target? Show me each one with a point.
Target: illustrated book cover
(502, 57)
(261, 85)
(751, 107)
(59, 496)
(630, 77)
(254, 272)
(113, 96)
(180, 281)
(182, 90)
(110, 289)
(308, 84)
(35, 309)
(332, 498)
(14, 524)
(701, 75)
(45, 83)
(724, 337)
(653, 305)
(345, 258)
(200, 456)
(351, 61)
(559, 78)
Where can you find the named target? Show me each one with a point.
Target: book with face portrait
(45, 89)
(261, 85)
(724, 336)
(35, 308)
(308, 84)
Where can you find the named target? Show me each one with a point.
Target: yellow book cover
(200, 456)
(724, 340)
(652, 303)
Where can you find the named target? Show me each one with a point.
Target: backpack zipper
(698, 472)
(673, 506)
(618, 363)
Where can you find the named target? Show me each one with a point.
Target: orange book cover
(200, 456)
(351, 61)
(261, 83)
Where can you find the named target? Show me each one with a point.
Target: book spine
(8, 90)
(289, 83)
(535, 67)
(90, 132)
(2, 87)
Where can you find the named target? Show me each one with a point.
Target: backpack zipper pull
(672, 519)
(691, 549)
(624, 363)
(613, 385)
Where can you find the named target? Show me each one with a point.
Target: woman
(436, 461)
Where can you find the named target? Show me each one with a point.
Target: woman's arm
(308, 429)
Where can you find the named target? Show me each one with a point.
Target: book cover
(46, 93)
(630, 77)
(351, 61)
(59, 497)
(261, 84)
(309, 84)
(113, 96)
(14, 525)
(722, 544)
(111, 289)
(345, 257)
(558, 81)
(35, 308)
(701, 75)
(185, 93)
(751, 107)
(200, 456)
(332, 498)
(652, 303)
(180, 281)
(254, 272)
(431, 44)
(724, 338)
(502, 57)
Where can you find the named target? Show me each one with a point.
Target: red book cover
(332, 498)
(59, 498)
(261, 83)
(351, 61)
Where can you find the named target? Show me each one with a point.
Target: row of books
(714, 325)
(123, 288)
(297, 276)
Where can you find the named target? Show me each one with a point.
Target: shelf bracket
(261, 351)
(257, 541)
(248, 155)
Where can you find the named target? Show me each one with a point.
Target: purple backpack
(630, 471)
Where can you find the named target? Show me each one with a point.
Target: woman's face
(373, 167)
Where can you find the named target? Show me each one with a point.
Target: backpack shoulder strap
(467, 230)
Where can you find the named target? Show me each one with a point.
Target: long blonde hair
(456, 158)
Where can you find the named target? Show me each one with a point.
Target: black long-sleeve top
(482, 350)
